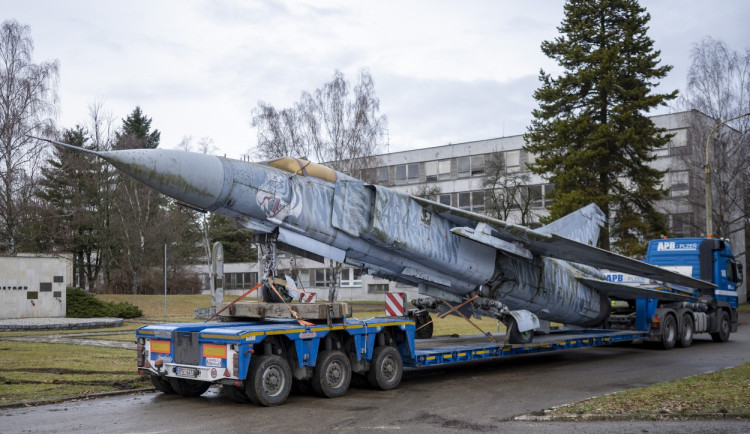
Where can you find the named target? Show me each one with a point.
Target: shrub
(81, 304)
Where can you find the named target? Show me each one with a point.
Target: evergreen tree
(591, 134)
(139, 211)
(73, 185)
(136, 132)
(237, 243)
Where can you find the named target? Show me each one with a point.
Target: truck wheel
(387, 368)
(668, 332)
(517, 337)
(687, 330)
(421, 319)
(161, 384)
(332, 374)
(236, 394)
(269, 380)
(725, 328)
(189, 387)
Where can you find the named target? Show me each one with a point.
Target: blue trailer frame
(223, 352)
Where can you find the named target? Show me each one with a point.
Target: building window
(430, 171)
(445, 199)
(477, 201)
(464, 167)
(477, 165)
(240, 280)
(464, 200)
(681, 224)
(377, 288)
(536, 196)
(351, 277)
(321, 277)
(407, 173)
(548, 194)
(679, 183)
(513, 161)
(444, 170)
(383, 175)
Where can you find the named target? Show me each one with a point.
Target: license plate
(186, 372)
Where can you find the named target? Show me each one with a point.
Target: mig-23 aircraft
(513, 273)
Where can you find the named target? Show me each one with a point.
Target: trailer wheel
(725, 328)
(420, 319)
(517, 337)
(387, 368)
(332, 374)
(269, 380)
(236, 394)
(189, 387)
(687, 330)
(161, 384)
(668, 332)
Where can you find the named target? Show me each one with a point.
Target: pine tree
(73, 185)
(591, 135)
(136, 132)
(139, 211)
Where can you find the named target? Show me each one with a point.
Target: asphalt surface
(475, 397)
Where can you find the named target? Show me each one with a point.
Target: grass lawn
(724, 393)
(39, 371)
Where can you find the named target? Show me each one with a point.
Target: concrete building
(453, 175)
(34, 286)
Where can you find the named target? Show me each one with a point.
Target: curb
(36, 402)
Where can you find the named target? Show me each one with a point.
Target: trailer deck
(446, 350)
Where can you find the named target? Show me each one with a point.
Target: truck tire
(687, 330)
(269, 380)
(420, 319)
(161, 384)
(386, 369)
(332, 374)
(725, 328)
(189, 387)
(668, 332)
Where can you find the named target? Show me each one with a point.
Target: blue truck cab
(712, 311)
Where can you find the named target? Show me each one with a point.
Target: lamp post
(707, 168)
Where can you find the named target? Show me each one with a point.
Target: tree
(238, 243)
(28, 105)
(72, 184)
(508, 192)
(591, 135)
(718, 87)
(139, 210)
(326, 126)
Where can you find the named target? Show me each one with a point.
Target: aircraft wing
(524, 242)
(625, 291)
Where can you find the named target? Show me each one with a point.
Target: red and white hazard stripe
(308, 297)
(395, 304)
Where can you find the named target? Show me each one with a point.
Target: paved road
(473, 397)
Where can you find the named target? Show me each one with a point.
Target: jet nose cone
(195, 179)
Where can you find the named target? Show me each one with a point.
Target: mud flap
(525, 320)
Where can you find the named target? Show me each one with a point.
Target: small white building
(34, 286)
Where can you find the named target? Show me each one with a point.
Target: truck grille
(187, 351)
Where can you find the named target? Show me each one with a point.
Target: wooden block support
(261, 310)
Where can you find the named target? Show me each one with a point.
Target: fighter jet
(516, 274)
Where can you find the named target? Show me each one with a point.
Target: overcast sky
(445, 71)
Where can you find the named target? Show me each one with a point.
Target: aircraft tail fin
(582, 225)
